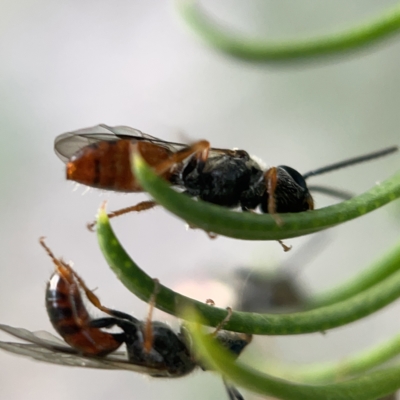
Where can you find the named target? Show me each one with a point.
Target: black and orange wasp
(152, 347)
(99, 157)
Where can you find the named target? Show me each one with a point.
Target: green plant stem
(377, 272)
(366, 34)
(369, 386)
(250, 226)
(336, 371)
(320, 319)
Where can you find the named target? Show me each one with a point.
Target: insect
(281, 290)
(152, 348)
(100, 157)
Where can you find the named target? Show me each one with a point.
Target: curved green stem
(359, 36)
(377, 272)
(320, 319)
(336, 371)
(250, 226)
(141, 284)
(369, 386)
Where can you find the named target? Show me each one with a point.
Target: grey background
(68, 65)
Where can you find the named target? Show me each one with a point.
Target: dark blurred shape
(278, 291)
(269, 292)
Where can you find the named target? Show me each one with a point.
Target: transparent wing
(67, 144)
(40, 338)
(44, 346)
(52, 356)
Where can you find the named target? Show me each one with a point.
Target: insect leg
(200, 149)
(96, 301)
(68, 273)
(244, 338)
(61, 267)
(271, 179)
(211, 235)
(211, 303)
(130, 328)
(107, 322)
(223, 322)
(285, 247)
(142, 206)
(148, 329)
(233, 393)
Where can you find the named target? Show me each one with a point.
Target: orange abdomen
(70, 319)
(106, 164)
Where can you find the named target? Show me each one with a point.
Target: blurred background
(68, 65)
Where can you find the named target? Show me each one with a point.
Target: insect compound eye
(297, 177)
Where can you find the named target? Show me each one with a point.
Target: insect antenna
(330, 191)
(351, 161)
(232, 392)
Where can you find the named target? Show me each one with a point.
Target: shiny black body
(233, 179)
(171, 352)
(169, 356)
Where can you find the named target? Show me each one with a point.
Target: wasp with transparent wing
(100, 157)
(152, 347)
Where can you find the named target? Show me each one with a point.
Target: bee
(152, 347)
(99, 157)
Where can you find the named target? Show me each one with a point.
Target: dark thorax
(222, 178)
